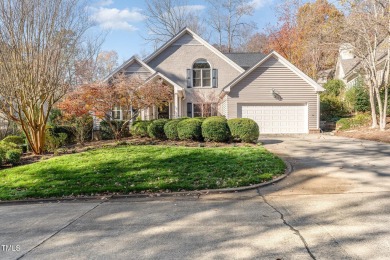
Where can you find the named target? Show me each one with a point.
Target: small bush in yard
(108, 133)
(190, 129)
(13, 156)
(215, 129)
(140, 128)
(244, 129)
(9, 152)
(2, 155)
(54, 140)
(156, 129)
(170, 129)
(353, 122)
(14, 139)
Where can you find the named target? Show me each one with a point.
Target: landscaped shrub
(54, 140)
(2, 155)
(357, 99)
(353, 122)
(156, 129)
(18, 140)
(13, 156)
(334, 87)
(244, 129)
(14, 139)
(170, 129)
(9, 153)
(215, 129)
(190, 129)
(140, 128)
(332, 101)
(332, 107)
(108, 134)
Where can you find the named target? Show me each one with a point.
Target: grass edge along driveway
(126, 169)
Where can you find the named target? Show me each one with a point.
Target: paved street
(335, 205)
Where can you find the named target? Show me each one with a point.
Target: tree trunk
(382, 110)
(383, 118)
(373, 108)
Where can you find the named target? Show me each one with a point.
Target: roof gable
(197, 40)
(282, 61)
(132, 63)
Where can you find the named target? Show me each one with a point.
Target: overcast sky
(126, 23)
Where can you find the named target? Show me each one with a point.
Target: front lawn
(125, 169)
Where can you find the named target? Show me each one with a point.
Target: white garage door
(286, 119)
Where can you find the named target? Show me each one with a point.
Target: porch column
(180, 107)
(176, 105)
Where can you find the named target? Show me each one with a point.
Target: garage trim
(303, 105)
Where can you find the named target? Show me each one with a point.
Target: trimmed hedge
(215, 129)
(156, 129)
(190, 129)
(170, 129)
(243, 129)
(14, 139)
(140, 128)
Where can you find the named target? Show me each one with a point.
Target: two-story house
(266, 88)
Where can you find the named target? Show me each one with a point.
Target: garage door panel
(278, 119)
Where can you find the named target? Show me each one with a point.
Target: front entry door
(163, 111)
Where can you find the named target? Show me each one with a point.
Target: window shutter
(188, 78)
(189, 109)
(215, 78)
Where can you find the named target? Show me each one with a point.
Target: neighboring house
(206, 82)
(349, 67)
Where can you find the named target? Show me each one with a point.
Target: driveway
(335, 205)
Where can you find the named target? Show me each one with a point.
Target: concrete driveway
(335, 205)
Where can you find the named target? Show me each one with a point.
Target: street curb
(289, 169)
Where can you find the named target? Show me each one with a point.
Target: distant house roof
(349, 64)
(245, 60)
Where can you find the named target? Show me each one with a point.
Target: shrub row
(213, 129)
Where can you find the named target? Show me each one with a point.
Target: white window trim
(201, 79)
(120, 113)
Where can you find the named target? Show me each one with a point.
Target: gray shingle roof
(245, 59)
(349, 64)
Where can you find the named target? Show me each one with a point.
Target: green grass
(125, 169)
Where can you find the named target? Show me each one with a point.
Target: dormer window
(201, 74)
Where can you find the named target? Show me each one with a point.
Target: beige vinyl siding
(138, 69)
(186, 39)
(174, 61)
(256, 88)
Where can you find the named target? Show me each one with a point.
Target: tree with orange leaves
(130, 94)
(308, 34)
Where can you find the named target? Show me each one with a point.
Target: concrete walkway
(335, 205)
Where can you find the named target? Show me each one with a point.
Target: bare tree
(226, 17)
(95, 67)
(40, 42)
(165, 18)
(368, 32)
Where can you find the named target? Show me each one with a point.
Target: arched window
(201, 74)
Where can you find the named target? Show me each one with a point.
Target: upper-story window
(201, 74)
